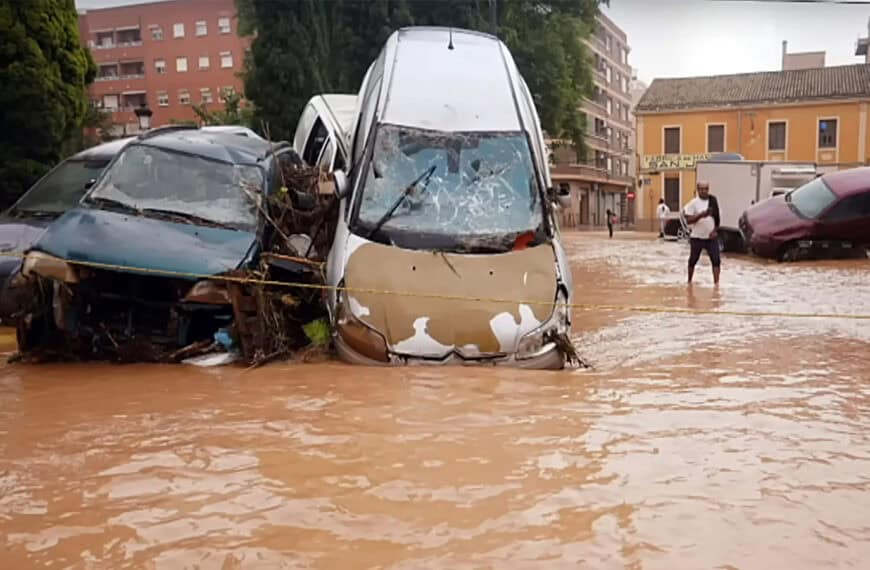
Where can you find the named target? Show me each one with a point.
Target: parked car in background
(174, 205)
(321, 136)
(738, 184)
(829, 215)
(52, 195)
(449, 194)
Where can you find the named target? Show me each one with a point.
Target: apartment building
(815, 115)
(604, 179)
(168, 54)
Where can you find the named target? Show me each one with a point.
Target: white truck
(738, 184)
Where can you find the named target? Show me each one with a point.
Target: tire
(790, 253)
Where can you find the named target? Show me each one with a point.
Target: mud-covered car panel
(466, 322)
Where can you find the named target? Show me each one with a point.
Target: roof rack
(167, 129)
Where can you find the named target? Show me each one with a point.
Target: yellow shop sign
(671, 161)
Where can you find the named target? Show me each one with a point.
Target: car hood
(101, 236)
(774, 215)
(466, 319)
(16, 237)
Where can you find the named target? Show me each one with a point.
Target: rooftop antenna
(450, 45)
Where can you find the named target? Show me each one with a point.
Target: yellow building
(813, 115)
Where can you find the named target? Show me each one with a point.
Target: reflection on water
(697, 442)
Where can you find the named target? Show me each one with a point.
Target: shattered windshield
(458, 184)
(147, 178)
(62, 188)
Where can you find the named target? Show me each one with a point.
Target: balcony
(589, 173)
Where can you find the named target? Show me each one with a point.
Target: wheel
(790, 252)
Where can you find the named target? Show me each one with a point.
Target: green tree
(305, 47)
(233, 112)
(44, 72)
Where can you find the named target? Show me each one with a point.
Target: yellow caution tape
(444, 297)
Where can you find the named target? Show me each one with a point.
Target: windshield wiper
(112, 203)
(16, 213)
(427, 176)
(188, 218)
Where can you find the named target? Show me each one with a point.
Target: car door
(848, 219)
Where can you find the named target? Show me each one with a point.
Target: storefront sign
(656, 162)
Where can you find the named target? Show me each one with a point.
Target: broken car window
(482, 184)
(144, 177)
(62, 188)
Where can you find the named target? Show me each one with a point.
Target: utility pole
(493, 17)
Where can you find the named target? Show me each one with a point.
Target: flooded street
(697, 441)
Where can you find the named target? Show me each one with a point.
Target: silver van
(447, 248)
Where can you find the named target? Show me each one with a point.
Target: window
(205, 95)
(776, 136)
(160, 66)
(672, 193)
(850, 209)
(110, 102)
(184, 97)
(156, 33)
(201, 28)
(316, 140)
(224, 25)
(812, 198)
(828, 133)
(178, 30)
(181, 64)
(672, 141)
(203, 62)
(226, 60)
(162, 99)
(715, 138)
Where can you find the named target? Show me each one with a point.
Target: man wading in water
(702, 213)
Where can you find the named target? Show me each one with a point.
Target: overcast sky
(682, 38)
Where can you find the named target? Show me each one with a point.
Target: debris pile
(272, 308)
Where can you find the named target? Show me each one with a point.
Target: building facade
(603, 180)
(813, 115)
(169, 55)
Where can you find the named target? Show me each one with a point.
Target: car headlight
(542, 339)
(356, 334)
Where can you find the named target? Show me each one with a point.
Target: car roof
(450, 80)
(231, 129)
(221, 146)
(102, 151)
(845, 183)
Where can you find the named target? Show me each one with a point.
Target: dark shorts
(699, 245)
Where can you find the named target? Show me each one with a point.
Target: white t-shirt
(662, 211)
(705, 226)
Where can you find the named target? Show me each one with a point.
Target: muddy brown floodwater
(696, 442)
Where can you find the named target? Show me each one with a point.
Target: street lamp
(143, 113)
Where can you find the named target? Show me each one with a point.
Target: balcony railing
(106, 78)
(133, 75)
(134, 43)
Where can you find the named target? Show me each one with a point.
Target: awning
(133, 92)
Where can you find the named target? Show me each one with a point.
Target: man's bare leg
(715, 275)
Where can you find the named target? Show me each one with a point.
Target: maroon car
(826, 216)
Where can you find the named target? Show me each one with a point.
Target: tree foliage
(233, 113)
(305, 47)
(44, 72)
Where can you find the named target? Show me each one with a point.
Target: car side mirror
(342, 184)
(560, 196)
(90, 183)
